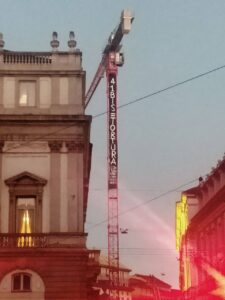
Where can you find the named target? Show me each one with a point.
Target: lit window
(21, 282)
(25, 215)
(25, 220)
(27, 93)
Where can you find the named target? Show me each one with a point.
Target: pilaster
(55, 170)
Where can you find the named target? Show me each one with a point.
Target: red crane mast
(112, 58)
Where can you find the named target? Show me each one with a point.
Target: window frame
(22, 207)
(28, 85)
(25, 185)
(36, 92)
(21, 276)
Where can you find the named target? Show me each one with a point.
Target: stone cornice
(77, 73)
(55, 146)
(73, 146)
(13, 118)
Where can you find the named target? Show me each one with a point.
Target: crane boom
(97, 78)
(116, 36)
(112, 45)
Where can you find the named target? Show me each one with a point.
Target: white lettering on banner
(112, 132)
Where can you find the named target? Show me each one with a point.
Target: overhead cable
(146, 202)
(163, 90)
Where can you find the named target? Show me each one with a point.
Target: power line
(127, 104)
(24, 143)
(146, 202)
(138, 248)
(129, 190)
(164, 89)
(146, 254)
(149, 251)
(132, 251)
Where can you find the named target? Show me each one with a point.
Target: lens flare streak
(220, 281)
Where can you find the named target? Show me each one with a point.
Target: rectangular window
(21, 282)
(16, 282)
(26, 282)
(27, 91)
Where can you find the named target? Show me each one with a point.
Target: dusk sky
(166, 140)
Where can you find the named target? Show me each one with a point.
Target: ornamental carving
(73, 146)
(55, 146)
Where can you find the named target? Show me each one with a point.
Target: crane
(112, 58)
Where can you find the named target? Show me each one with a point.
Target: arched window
(21, 282)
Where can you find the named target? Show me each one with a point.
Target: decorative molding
(25, 184)
(25, 178)
(1, 146)
(73, 146)
(55, 146)
(26, 147)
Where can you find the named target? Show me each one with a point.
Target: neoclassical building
(201, 236)
(45, 160)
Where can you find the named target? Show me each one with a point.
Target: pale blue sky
(164, 141)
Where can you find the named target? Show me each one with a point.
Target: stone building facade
(202, 242)
(45, 160)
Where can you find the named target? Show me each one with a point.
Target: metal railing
(23, 240)
(41, 240)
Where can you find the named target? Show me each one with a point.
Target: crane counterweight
(126, 20)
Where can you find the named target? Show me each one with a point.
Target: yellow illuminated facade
(186, 284)
(181, 245)
(181, 220)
